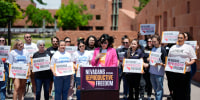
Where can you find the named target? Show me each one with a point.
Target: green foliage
(72, 15)
(8, 9)
(143, 3)
(36, 16)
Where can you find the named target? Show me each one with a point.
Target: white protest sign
(133, 65)
(175, 64)
(193, 44)
(121, 56)
(170, 36)
(18, 71)
(2, 74)
(41, 64)
(154, 58)
(71, 49)
(63, 69)
(4, 51)
(30, 50)
(147, 29)
(78, 70)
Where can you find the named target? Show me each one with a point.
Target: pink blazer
(111, 58)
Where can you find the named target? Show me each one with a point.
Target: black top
(52, 50)
(47, 74)
(88, 48)
(137, 55)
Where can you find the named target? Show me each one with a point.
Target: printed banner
(154, 58)
(71, 49)
(18, 71)
(170, 36)
(99, 78)
(4, 51)
(2, 74)
(193, 44)
(63, 69)
(147, 29)
(133, 65)
(41, 64)
(175, 64)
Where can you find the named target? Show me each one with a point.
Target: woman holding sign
(181, 81)
(5, 67)
(19, 56)
(105, 55)
(81, 58)
(61, 81)
(157, 61)
(42, 77)
(133, 79)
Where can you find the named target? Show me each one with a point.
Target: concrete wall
(173, 15)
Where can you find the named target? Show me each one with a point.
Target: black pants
(133, 80)
(148, 87)
(181, 86)
(169, 83)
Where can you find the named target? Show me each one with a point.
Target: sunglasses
(104, 43)
(180, 37)
(149, 41)
(28, 37)
(81, 46)
(2, 40)
(67, 41)
(125, 42)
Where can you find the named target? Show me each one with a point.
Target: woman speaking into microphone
(105, 55)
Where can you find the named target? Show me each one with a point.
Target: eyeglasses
(149, 41)
(2, 40)
(125, 42)
(67, 41)
(81, 46)
(28, 36)
(42, 45)
(104, 43)
(180, 37)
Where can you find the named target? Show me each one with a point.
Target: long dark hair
(130, 49)
(95, 41)
(79, 42)
(105, 37)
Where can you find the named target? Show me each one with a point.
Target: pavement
(195, 92)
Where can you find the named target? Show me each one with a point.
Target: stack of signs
(4, 51)
(41, 64)
(147, 29)
(193, 44)
(63, 69)
(18, 71)
(154, 58)
(2, 75)
(133, 65)
(170, 36)
(71, 49)
(175, 64)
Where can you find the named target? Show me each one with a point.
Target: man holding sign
(181, 81)
(41, 68)
(62, 70)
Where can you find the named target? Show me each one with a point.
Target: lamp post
(9, 27)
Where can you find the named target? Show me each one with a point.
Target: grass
(35, 38)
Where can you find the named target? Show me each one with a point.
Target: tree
(143, 3)
(36, 16)
(8, 9)
(72, 15)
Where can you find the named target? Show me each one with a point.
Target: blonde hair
(16, 43)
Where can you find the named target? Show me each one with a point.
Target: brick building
(173, 15)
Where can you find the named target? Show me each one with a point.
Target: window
(99, 28)
(120, 3)
(98, 17)
(174, 22)
(188, 7)
(92, 6)
(86, 28)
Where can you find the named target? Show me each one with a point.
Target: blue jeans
(157, 84)
(78, 91)
(3, 83)
(62, 85)
(46, 84)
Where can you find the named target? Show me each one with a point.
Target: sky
(51, 4)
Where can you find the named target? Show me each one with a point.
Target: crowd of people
(101, 53)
